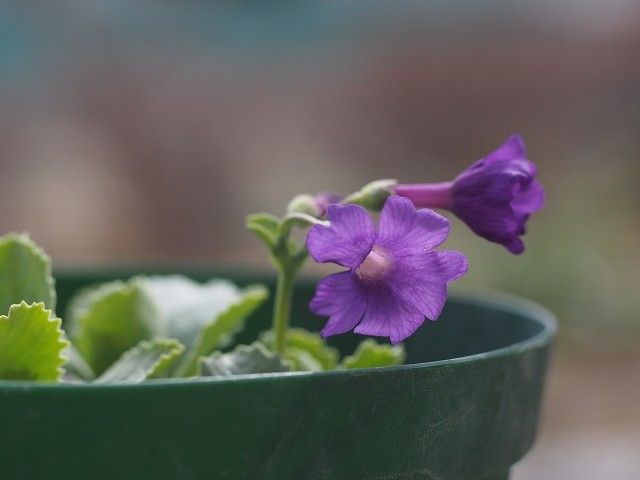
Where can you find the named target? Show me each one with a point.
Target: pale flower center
(375, 265)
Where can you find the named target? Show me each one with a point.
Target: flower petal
(404, 230)
(388, 315)
(528, 200)
(423, 282)
(513, 148)
(515, 246)
(339, 297)
(346, 241)
(495, 222)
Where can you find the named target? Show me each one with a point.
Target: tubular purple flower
(394, 278)
(494, 196)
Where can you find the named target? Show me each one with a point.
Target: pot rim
(481, 297)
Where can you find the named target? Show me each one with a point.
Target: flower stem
(282, 307)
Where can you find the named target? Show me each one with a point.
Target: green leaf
(221, 328)
(254, 358)
(25, 273)
(108, 320)
(188, 306)
(306, 350)
(148, 359)
(267, 220)
(372, 354)
(31, 344)
(302, 360)
(76, 369)
(265, 226)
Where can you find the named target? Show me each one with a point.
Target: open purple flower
(394, 280)
(494, 196)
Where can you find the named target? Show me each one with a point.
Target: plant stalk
(282, 307)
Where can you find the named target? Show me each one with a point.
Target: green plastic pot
(464, 407)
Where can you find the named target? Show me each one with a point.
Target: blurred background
(148, 130)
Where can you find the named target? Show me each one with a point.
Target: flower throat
(375, 266)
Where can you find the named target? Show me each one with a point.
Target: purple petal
(388, 315)
(423, 282)
(339, 297)
(403, 230)
(496, 198)
(528, 200)
(494, 221)
(346, 241)
(513, 148)
(515, 246)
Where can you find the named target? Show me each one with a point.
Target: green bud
(373, 195)
(304, 203)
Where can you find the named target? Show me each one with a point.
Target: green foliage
(306, 351)
(221, 328)
(76, 369)
(108, 320)
(244, 359)
(370, 354)
(148, 359)
(112, 318)
(187, 306)
(31, 344)
(156, 326)
(25, 273)
(265, 226)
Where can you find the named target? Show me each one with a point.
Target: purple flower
(394, 280)
(495, 196)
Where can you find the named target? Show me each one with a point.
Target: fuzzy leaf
(76, 369)
(148, 359)
(219, 331)
(31, 344)
(25, 273)
(306, 350)
(265, 226)
(188, 306)
(254, 358)
(370, 354)
(108, 320)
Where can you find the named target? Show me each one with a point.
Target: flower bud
(373, 195)
(305, 203)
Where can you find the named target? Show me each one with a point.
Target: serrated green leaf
(306, 350)
(25, 273)
(187, 306)
(148, 359)
(219, 331)
(31, 344)
(370, 354)
(108, 320)
(244, 359)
